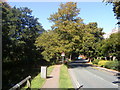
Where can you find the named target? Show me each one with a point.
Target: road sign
(62, 54)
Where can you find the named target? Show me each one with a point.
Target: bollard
(43, 71)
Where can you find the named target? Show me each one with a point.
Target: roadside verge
(38, 82)
(65, 80)
(105, 69)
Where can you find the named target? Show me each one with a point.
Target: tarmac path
(87, 75)
(53, 80)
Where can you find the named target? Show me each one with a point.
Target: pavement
(53, 79)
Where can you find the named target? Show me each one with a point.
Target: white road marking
(74, 79)
(99, 77)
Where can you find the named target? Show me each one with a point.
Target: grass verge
(38, 82)
(65, 80)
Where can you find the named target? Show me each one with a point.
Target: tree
(5, 30)
(72, 35)
(116, 9)
(91, 37)
(19, 32)
(116, 6)
(112, 45)
(68, 25)
(48, 41)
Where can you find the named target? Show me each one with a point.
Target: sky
(89, 11)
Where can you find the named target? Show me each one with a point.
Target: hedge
(102, 63)
(112, 65)
(96, 61)
(108, 64)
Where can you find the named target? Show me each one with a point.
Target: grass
(38, 82)
(65, 80)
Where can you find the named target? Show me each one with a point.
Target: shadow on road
(118, 77)
(79, 63)
(115, 82)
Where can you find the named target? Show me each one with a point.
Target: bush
(112, 65)
(95, 61)
(102, 63)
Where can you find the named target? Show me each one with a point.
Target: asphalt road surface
(90, 77)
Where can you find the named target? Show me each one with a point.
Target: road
(87, 75)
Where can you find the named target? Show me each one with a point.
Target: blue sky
(89, 11)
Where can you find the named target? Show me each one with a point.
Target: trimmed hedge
(112, 65)
(102, 63)
(108, 64)
(96, 61)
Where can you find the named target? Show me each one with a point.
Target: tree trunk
(70, 56)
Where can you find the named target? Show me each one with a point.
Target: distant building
(114, 30)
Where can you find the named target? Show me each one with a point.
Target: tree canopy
(110, 46)
(73, 36)
(19, 32)
(116, 6)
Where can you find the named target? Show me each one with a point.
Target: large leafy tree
(72, 36)
(49, 42)
(19, 32)
(68, 25)
(110, 46)
(114, 41)
(114, 37)
(91, 37)
(5, 29)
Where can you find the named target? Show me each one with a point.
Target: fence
(17, 86)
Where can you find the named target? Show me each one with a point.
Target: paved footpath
(53, 80)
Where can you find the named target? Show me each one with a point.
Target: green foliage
(110, 46)
(102, 63)
(69, 34)
(116, 6)
(65, 81)
(112, 65)
(113, 41)
(114, 44)
(91, 36)
(95, 61)
(37, 81)
(49, 42)
(107, 64)
(19, 32)
(69, 26)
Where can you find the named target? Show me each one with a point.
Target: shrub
(112, 65)
(102, 63)
(95, 61)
